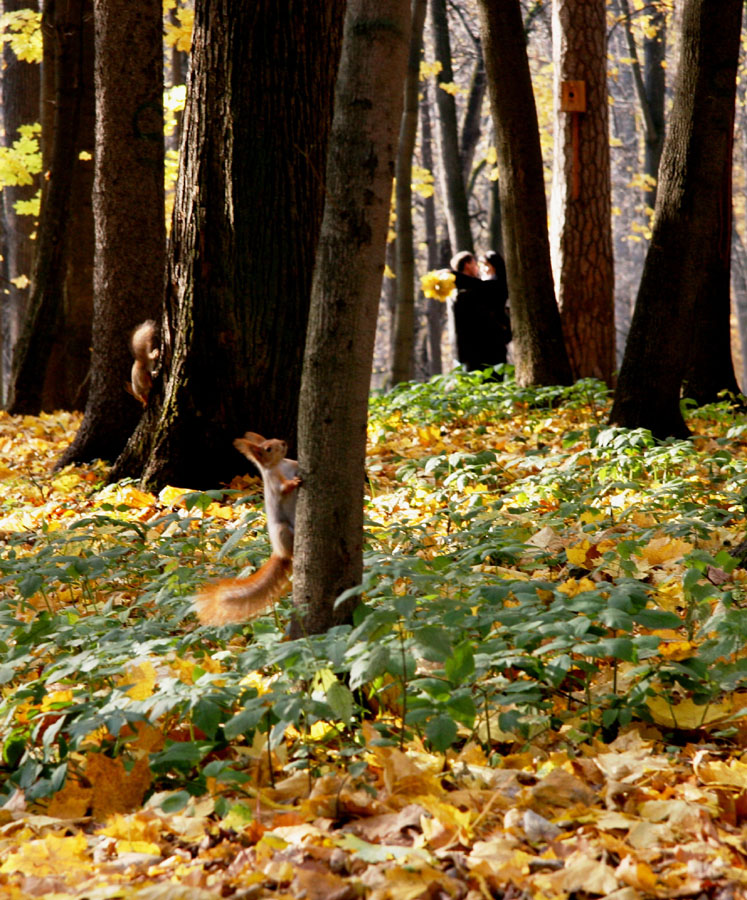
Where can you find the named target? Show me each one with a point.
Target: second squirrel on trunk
(146, 355)
(238, 599)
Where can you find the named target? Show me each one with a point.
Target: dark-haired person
(479, 325)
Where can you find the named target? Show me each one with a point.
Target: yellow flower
(438, 284)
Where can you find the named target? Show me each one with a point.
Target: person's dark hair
(459, 260)
(495, 259)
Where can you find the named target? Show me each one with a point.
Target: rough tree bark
(540, 353)
(342, 324)
(691, 231)
(128, 212)
(580, 211)
(247, 212)
(66, 376)
(65, 27)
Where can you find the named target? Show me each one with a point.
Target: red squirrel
(239, 599)
(141, 344)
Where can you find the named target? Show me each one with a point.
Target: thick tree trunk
(541, 356)
(128, 212)
(691, 223)
(64, 23)
(710, 370)
(404, 317)
(450, 164)
(334, 396)
(21, 96)
(66, 378)
(246, 220)
(581, 228)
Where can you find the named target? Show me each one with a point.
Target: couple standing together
(479, 322)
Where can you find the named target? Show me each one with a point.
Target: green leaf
(441, 732)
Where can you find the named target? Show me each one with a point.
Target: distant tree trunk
(404, 317)
(581, 227)
(342, 322)
(540, 353)
(655, 80)
(128, 212)
(472, 121)
(179, 67)
(690, 221)
(65, 25)
(450, 164)
(650, 90)
(66, 376)
(434, 310)
(247, 213)
(20, 96)
(739, 283)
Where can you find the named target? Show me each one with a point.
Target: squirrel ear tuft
(254, 437)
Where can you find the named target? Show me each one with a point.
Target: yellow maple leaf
(142, 679)
(664, 549)
(576, 554)
(686, 713)
(50, 855)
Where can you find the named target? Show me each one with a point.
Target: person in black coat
(479, 322)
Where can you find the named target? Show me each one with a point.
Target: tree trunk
(450, 164)
(472, 121)
(540, 353)
(128, 212)
(20, 96)
(710, 369)
(334, 394)
(739, 284)
(581, 228)
(655, 81)
(404, 317)
(65, 27)
(67, 370)
(650, 91)
(691, 222)
(434, 310)
(247, 212)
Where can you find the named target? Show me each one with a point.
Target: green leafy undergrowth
(530, 574)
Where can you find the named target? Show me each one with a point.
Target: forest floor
(541, 695)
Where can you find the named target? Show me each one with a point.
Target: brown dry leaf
(560, 788)
(71, 802)
(114, 789)
(316, 884)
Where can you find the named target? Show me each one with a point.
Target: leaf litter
(578, 732)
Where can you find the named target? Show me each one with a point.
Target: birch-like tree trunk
(328, 552)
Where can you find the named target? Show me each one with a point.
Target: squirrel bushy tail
(238, 599)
